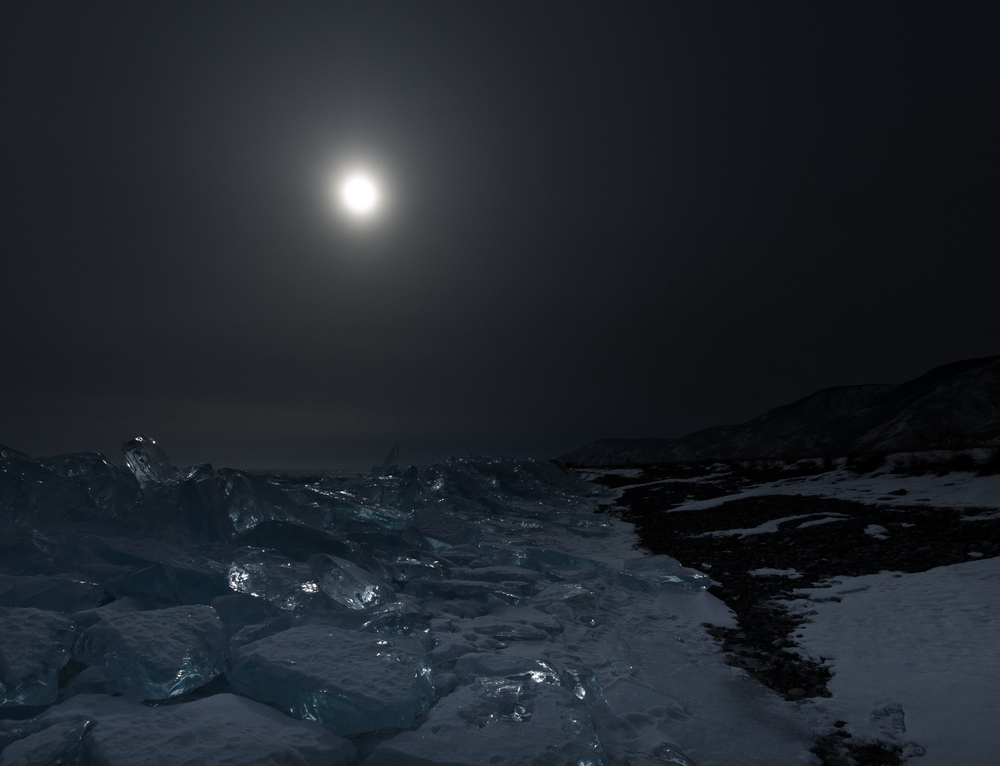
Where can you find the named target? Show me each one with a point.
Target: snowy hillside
(953, 405)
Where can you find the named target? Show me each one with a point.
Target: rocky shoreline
(757, 574)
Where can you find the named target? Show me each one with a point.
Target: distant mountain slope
(952, 405)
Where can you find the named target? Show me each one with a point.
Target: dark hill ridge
(953, 405)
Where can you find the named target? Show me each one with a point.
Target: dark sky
(601, 219)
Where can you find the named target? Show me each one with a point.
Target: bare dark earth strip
(918, 538)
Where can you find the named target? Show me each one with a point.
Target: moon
(359, 194)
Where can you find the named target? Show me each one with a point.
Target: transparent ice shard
(498, 574)
(147, 460)
(486, 665)
(652, 566)
(560, 591)
(347, 509)
(220, 730)
(445, 527)
(32, 496)
(9, 453)
(157, 654)
(582, 682)
(35, 645)
(651, 572)
(250, 633)
(57, 594)
(201, 505)
(164, 584)
(296, 541)
(510, 631)
(349, 584)
(388, 543)
(113, 489)
(388, 463)
(451, 590)
(556, 565)
(95, 680)
(353, 682)
(409, 486)
(238, 610)
(517, 722)
(406, 568)
(87, 617)
(560, 563)
(397, 617)
(59, 744)
(670, 753)
(394, 618)
(523, 582)
(266, 574)
(251, 500)
(386, 487)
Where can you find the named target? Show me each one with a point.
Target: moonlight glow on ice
(359, 194)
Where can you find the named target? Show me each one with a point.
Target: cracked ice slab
(157, 654)
(222, 730)
(34, 647)
(348, 584)
(58, 744)
(350, 681)
(267, 574)
(56, 594)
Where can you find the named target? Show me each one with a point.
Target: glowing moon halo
(359, 194)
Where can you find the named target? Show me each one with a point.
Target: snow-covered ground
(915, 659)
(963, 489)
(914, 655)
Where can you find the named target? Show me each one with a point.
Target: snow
(772, 572)
(268, 574)
(913, 654)
(877, 531)
(349, 584)
(768, 527)
(922, 646)
(953, 490)
(817, 522)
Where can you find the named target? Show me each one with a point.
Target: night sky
(599, 219)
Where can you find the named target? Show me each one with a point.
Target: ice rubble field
(471, 612)
(478, 611)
